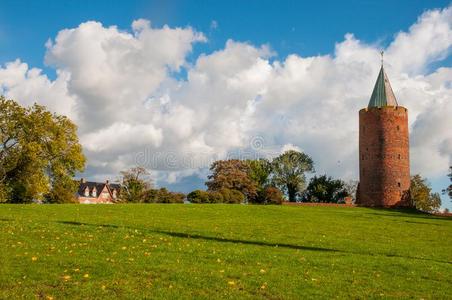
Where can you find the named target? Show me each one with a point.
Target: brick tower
(384, 162)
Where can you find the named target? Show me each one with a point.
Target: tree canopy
(135, 183)
(232, 174)
(325, 189)
(448, 190)
(289, 172)
(421, 195)
(39, 154)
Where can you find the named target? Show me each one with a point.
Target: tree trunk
(292, 192)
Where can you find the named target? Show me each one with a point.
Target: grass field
(222, 251)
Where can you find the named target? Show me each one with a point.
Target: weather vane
(382, 53)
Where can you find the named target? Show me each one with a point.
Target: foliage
(38, 151)
(135, 184)
(215, 197)
(162, 195)
(325, 190)
(448, 190)
(270, 195)
(232, 196)
(289, 172)
(232, 174)
(223, 195)
(222, 251)
(260, 171)
(198, 196)
(421, 195)
(63, 192)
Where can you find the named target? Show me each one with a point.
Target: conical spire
(382, 94)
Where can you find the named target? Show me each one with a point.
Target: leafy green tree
(421, 195)
(325, 189)
(448, 190)
(260, 171)
(39, 152)
(162, 195)
(289, 172)
(232, 174)
(270, 195)
(232, 196)
(135, 184)
(198, 196)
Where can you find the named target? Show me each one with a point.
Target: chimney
(82, 180)
(107, 181)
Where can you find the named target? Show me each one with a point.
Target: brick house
(90, 192)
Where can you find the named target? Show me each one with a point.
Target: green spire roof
(382, 94)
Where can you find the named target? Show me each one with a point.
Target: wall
(384, 160)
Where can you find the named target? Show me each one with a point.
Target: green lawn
(222, 251)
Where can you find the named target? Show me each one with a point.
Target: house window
(398, 127)
(94, 192)
(87, 192)
(398, 183)
(105, 195)
(399, 156)
(114, 194)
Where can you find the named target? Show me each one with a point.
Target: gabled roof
(98, 185)
(382, 94)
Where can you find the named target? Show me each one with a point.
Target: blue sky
(304, 27)
(311, 31)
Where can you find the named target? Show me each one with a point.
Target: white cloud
(118, 86)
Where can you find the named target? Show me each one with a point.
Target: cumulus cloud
(119, 86)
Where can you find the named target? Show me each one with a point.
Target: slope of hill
(222, 251)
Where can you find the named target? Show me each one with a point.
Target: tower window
(399, 156)
(398, 127)
(398, 184)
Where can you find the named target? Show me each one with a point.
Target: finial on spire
(382, 53)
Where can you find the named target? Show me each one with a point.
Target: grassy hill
(222, 251)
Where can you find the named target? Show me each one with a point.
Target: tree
(162, 195)
(448, 190)
(270, 195)
(260, 171)
(325, 190)
(198, 196)
(135, 184)
(289, 172)
(232, 174)
(39, 153)
(421, 195)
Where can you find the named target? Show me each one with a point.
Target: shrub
(162, 195)
(272, 195)
(268, 195)
(232, 196)
(215, 197)
(198, 196)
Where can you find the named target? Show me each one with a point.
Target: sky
(174, 85)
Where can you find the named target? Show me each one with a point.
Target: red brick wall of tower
(384, 162)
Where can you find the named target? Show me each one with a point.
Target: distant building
(90, 192)
(384, 157)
